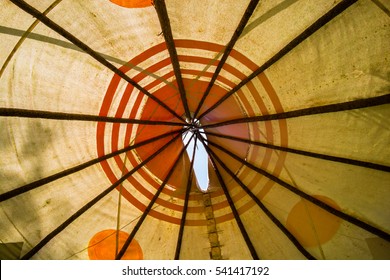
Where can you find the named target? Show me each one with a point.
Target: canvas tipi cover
(199, 129)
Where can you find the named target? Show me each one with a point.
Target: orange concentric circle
(124, 101)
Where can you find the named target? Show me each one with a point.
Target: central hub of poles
(197, 152)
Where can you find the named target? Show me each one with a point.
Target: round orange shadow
(102, 246)
(133, 3)
(312, 225)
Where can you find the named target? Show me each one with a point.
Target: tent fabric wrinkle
(220, 130)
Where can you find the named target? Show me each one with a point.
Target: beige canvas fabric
(308, 85)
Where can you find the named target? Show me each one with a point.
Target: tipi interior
(195, 130)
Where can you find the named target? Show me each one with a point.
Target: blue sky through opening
(201, 159)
